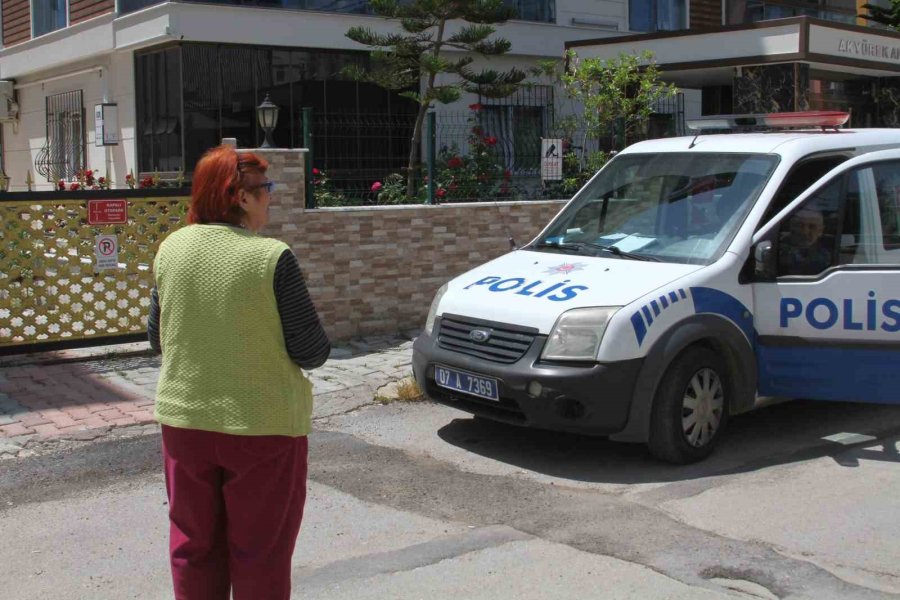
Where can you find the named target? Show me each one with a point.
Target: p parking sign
(106, 252)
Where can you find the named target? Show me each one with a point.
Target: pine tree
(889, 16)
(425, 49)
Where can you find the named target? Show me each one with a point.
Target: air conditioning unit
(9, 108)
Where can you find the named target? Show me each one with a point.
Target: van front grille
(506, 344)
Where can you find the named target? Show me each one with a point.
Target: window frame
(66, 3)
(51, 148)
(865, 206)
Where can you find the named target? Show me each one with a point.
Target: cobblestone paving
(84, 395)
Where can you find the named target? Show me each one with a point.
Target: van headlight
(577, 333)
(432, 312)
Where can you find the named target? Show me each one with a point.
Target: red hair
(218, 178)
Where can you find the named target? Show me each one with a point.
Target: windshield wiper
(621, 253)
(579, 246)
(558, 246)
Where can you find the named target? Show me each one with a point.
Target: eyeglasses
(269, 186)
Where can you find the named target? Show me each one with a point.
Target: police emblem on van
(565, 268)
(480, 335)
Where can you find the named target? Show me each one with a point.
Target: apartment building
(170, 79)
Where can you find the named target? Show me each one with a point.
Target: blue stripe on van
(640, 330)
(830, 373)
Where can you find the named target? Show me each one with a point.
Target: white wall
(109, 42)
(23, 141)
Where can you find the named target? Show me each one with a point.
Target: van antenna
(510, 239)
(694, 141)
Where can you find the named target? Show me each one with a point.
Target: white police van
(688, 280)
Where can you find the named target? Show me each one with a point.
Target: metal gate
(51, 294)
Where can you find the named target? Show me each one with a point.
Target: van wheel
(691, 407)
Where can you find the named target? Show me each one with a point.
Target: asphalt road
(419, 500)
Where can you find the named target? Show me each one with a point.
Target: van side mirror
(764, 257)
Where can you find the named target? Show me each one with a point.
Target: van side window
(806, 238)
(883, 227)
(798, 181)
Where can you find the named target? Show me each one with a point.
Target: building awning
(711, 54)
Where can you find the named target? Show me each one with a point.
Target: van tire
(690, 409)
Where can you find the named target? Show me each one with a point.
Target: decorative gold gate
(51, 293)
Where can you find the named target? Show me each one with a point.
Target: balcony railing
(527, 10)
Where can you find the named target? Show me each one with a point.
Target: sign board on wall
(107, 212)
(106, 124)
(551, 158)
(106, 252)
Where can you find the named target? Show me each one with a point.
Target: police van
(689, 280)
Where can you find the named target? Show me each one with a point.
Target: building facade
(181, 75)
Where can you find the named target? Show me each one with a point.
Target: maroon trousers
(235, 506)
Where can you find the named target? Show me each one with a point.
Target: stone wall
(375, 270)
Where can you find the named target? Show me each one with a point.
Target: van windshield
(671, 207)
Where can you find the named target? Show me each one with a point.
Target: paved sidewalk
(89, 393)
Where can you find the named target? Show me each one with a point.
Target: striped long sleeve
(306, 341)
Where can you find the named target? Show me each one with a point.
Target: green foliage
(399, 60)
(889, 16)
(577, 170)
(392, 190)
(476, 175)
(618, 94)
(324, 192)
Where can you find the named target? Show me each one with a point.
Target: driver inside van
(803, 251)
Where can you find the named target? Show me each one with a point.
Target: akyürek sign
(866, 49)
(871, 47)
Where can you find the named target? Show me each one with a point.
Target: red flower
(440, 193)
(89, 173)
(506, 175)
(455, 162)
(316, 171)
(317, 181)
(490, 140)
(475, 107)
(376, 186)
(129, 177)
(102, 180)
(75, 185)
(61, 185)
(147, 182)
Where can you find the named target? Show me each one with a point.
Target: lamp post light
(267, 114)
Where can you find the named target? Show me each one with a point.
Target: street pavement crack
(585, 520)
(408, 558)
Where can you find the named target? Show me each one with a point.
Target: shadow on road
(781, 434)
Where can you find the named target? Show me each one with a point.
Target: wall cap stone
(386, 207)
(275, 150)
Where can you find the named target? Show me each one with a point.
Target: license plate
(467, 383)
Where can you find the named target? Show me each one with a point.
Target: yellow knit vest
(225, 366)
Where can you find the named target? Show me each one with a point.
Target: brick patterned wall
(375, 270)
(82, 10)
(16, 21)
(705, 14)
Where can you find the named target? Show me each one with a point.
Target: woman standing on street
(234, 322)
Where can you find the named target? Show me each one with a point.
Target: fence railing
(491, 152)
(52, 295)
